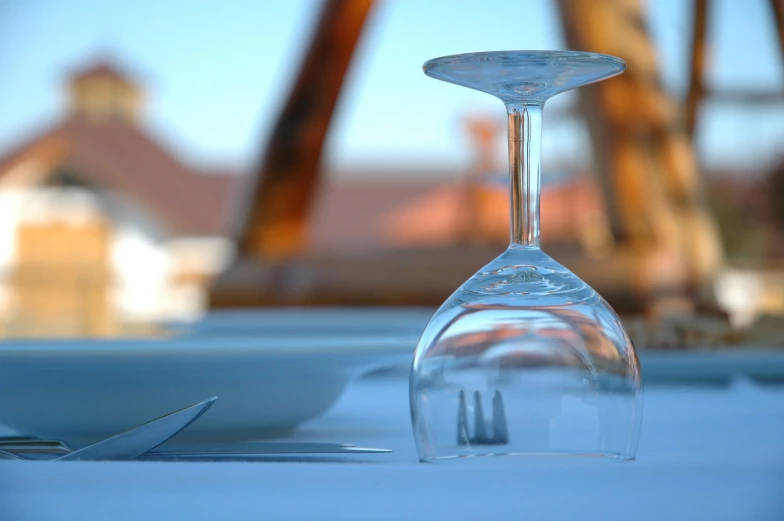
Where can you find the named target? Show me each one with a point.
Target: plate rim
(223, 345)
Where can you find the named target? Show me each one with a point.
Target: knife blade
(135, 442)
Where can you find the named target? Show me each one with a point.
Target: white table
(706, 453)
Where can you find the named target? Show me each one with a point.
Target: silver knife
(135, 442)
(261, 454)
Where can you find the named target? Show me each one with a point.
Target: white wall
(142, 269)
(10, 202)
(209, 255)
(20, 205)
(142, 256)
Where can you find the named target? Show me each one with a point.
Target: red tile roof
(383, 210)
(120, 156)
(350, 214)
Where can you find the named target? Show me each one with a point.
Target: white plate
(83, 391)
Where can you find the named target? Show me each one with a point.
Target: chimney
(102, 93)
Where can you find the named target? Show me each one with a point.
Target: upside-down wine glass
(525, 359)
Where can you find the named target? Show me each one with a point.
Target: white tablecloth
(713, 453)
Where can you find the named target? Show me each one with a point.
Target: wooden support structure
(665, 238)
(697, 65)
(645, 158)
(273, 219)
(777, 6)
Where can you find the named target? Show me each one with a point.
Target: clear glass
(525, 358)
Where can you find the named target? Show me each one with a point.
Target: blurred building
(384, 214)
(102, 228)
(103, 231)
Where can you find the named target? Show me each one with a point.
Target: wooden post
(697, 66)
(273, 221)
(619, 112)
(644, 158)
(777, 6)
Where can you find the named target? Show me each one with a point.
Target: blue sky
(217, 72)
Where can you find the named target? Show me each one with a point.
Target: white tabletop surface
(713, 453)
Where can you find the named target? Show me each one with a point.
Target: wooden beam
(777, 6)
(273, 220)
(759, 98)
(617, 114)
(644, 159)
(697, 68)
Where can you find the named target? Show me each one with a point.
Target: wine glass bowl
(525, 358)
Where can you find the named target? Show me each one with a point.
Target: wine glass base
(524, 76)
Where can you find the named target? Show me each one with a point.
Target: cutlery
(30, 446)
(494, 432)
(262, 453)
(129, 444)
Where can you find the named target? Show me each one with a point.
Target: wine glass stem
(525, 150)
